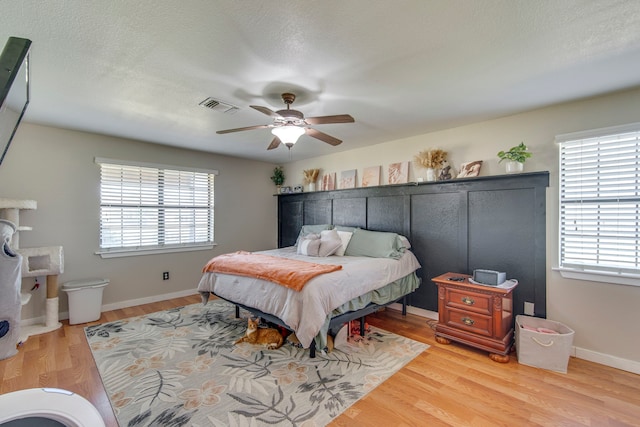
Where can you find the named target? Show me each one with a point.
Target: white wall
(603, 315)
(56, 168)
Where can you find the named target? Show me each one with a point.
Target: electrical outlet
(528, 308)
(165, 275)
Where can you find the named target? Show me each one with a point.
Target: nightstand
(480, 316)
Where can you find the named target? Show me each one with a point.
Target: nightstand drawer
(465, 320)
(462, 299)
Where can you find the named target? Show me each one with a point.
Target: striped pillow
(309, 245)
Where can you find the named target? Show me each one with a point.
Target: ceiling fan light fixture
(289, 125)
(288, 134)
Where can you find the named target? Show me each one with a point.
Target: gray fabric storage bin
(543, 350)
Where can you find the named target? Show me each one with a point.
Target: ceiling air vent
(219, 106)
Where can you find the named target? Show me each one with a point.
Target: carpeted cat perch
(34, 262)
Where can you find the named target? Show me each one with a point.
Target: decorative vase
(312, 186)
(514, 167)
(431, 175)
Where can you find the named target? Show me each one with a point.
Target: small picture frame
(298, 189)
(371, 176)
(285, 190)
(398, 173)
(348, 179)
(328, 182)
(470, 169)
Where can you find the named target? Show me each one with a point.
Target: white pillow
(309, 245)
(330, 242)
(345, 236)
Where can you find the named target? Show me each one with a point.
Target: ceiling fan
(288, 125)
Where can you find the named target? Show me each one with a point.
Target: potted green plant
(278, 177)
(515, 158)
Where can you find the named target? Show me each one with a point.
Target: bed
(375, 270)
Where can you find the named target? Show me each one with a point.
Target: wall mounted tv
(14, 89)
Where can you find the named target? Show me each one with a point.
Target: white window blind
(600, 201)
(146, 206)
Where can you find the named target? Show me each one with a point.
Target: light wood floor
(447, 385)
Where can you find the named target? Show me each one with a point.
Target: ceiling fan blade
(245, 128)
(265, 110)
(323, 136)
(340, 118)
(274, 144)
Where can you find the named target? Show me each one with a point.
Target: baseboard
(607, 360)
(148, 300)
(580, 353)
(415, 310)
(116, 306)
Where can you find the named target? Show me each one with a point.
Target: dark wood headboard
(494, 222)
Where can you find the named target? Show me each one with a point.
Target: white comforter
(306, 311)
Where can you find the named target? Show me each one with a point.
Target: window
(600, 205)
(148, 208)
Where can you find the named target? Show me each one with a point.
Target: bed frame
(336, 322)
(334, 325)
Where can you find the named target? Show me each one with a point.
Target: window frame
(159, 248)
(594, 272)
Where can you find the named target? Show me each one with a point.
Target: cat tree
(10, 281)
(44, 261)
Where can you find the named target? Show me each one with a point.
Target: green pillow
(377, 244)
(343, 228)
(316, 228)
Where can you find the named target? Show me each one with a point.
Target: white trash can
(85, 299)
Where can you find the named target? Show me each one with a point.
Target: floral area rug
(181, 367)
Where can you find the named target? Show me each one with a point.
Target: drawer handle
(468, 301)
(468, 321)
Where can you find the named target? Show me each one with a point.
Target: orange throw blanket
(291, 273)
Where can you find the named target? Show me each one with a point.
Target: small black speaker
(489, 277)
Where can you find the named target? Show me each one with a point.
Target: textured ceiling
(139, 69)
